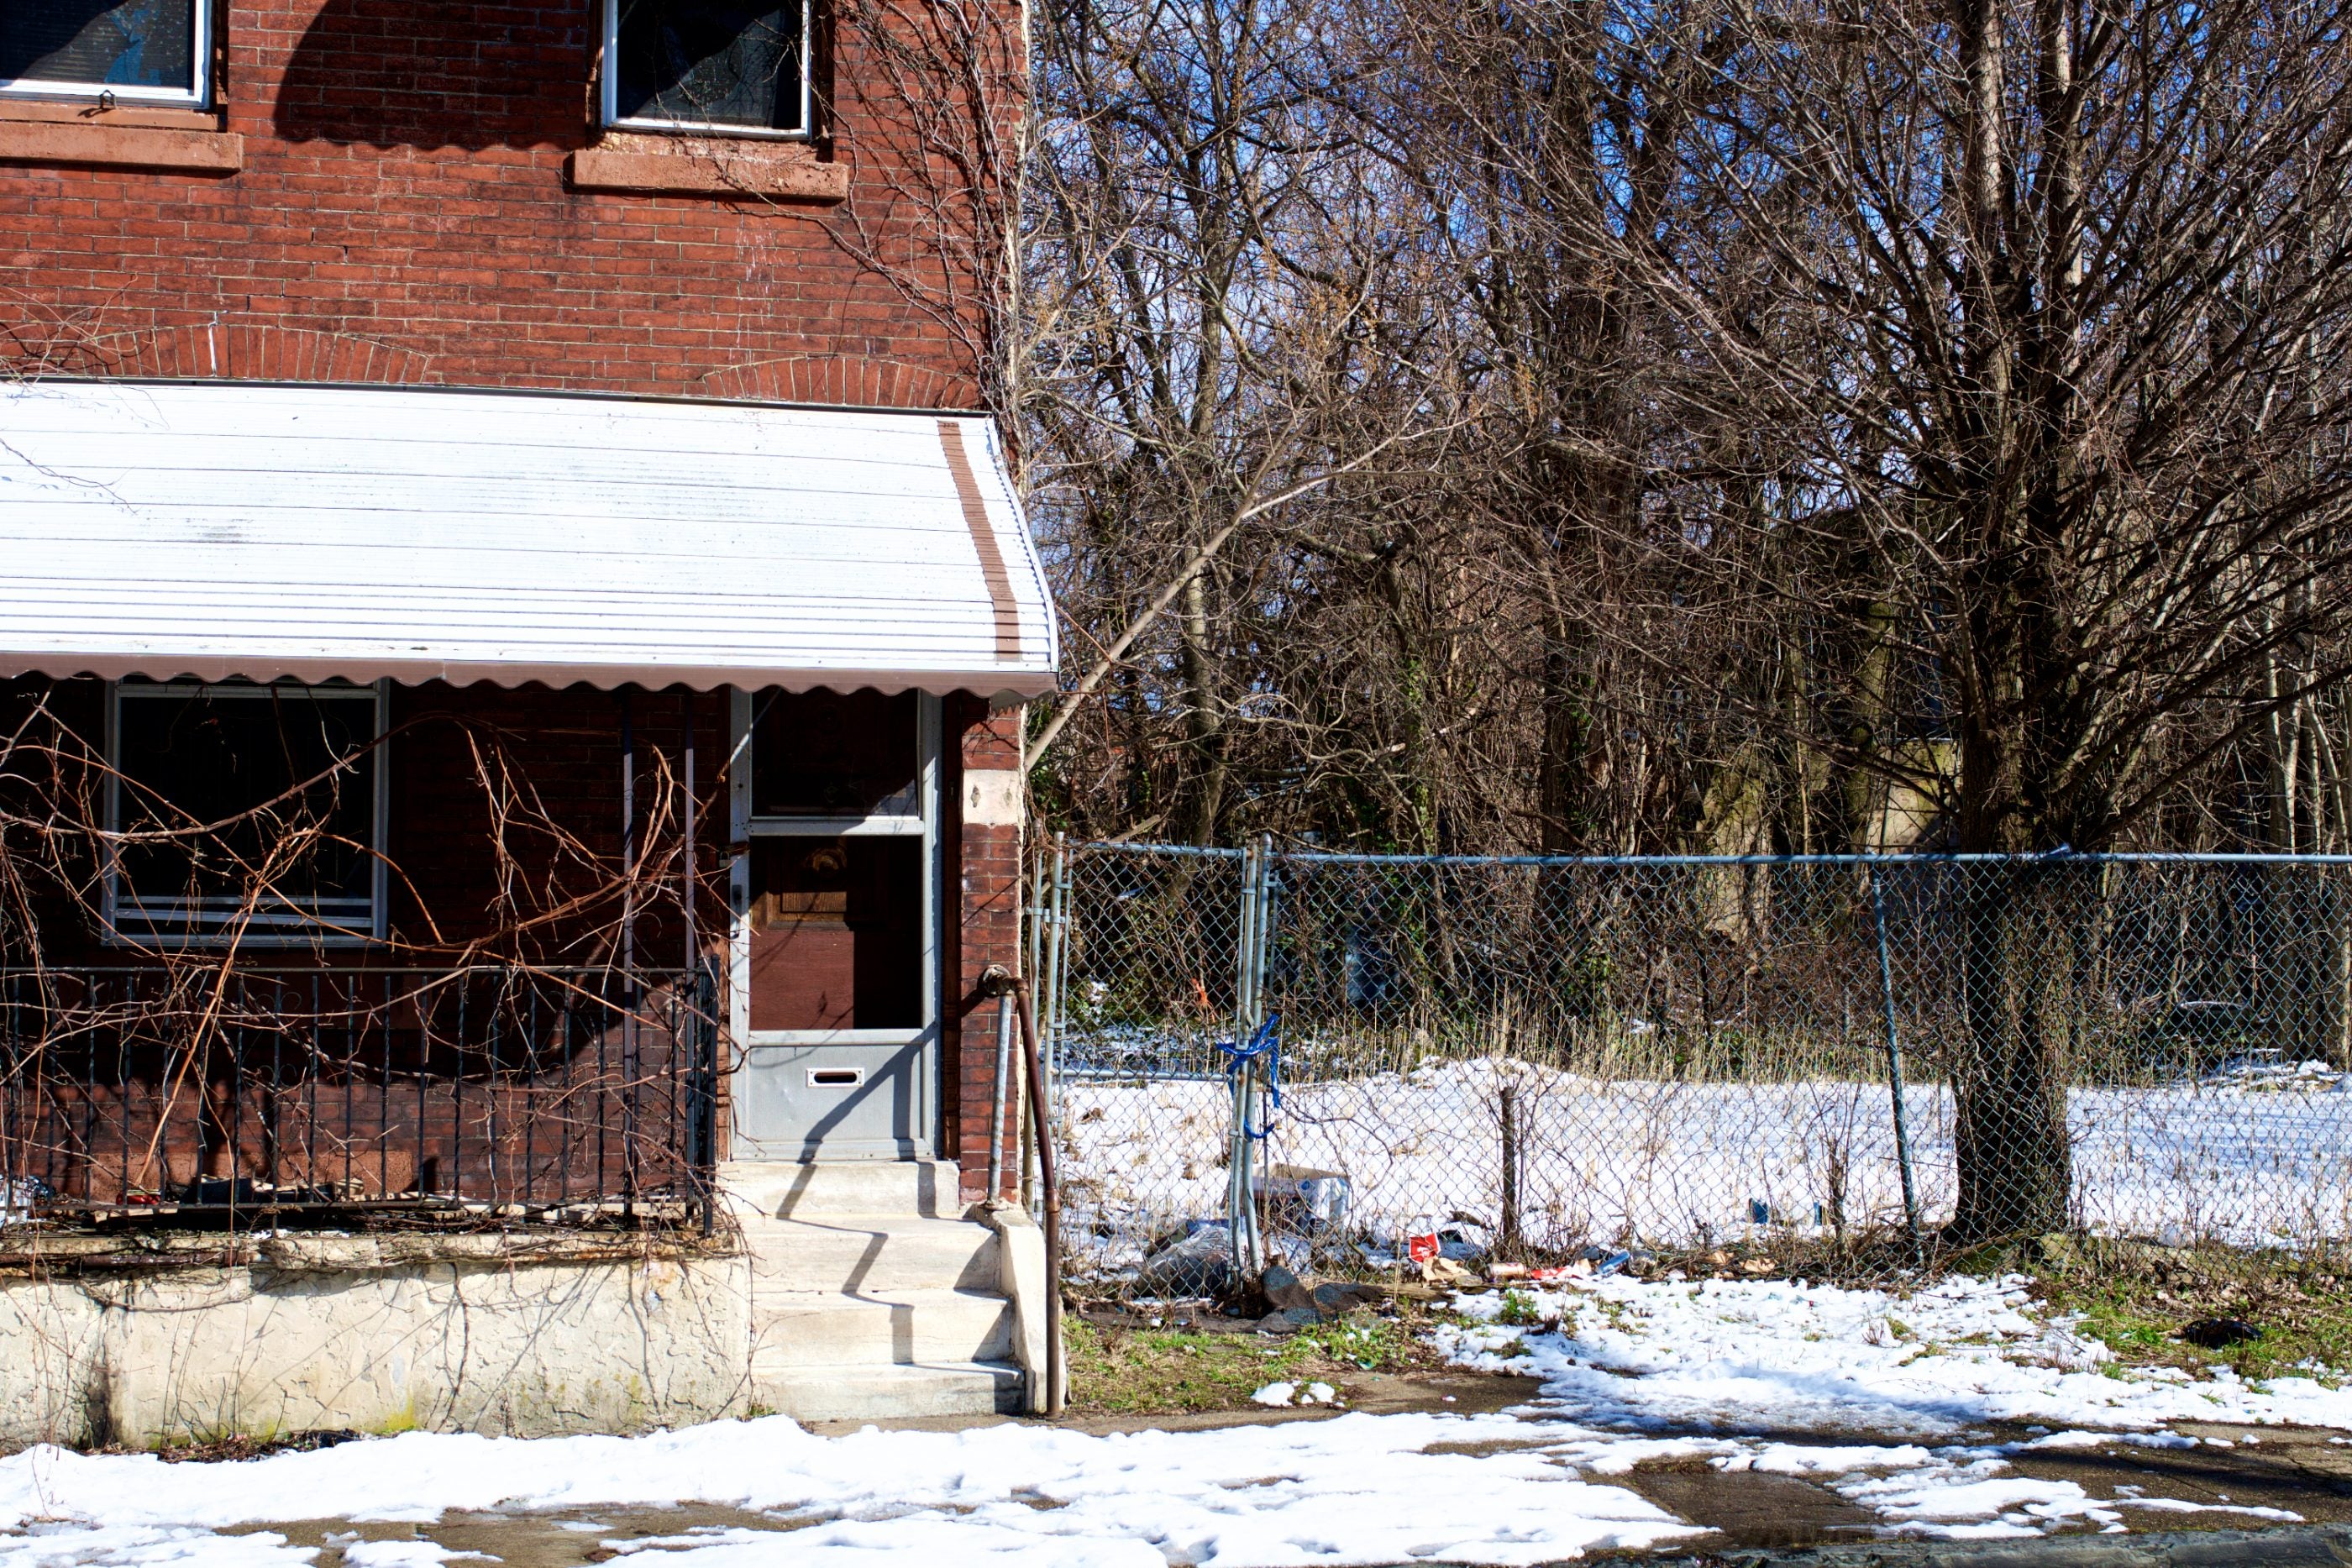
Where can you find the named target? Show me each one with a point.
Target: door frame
(923, 822)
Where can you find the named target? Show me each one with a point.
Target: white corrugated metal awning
(220, 529)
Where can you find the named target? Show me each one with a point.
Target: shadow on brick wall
(439, 74)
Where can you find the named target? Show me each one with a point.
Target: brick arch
(842, 379)
(254, 353)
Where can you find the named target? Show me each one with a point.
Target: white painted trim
(928, 741)
(839, 827)
(738, 864)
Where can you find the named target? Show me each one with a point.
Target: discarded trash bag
(1199, 1264)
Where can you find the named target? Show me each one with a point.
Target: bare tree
(2036, 381)
(1221, 330)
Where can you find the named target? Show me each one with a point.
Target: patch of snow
(1803, 1459)
(405, 1555)
(2178, 1505)
(59, 1546)
(1356, 1489)
(1275, 1394)
(701, 1535)
(1748, 1354)
(1620, 1357)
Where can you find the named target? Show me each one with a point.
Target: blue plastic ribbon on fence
(1264, 1045)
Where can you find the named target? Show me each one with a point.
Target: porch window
(736, 67)
(141, 51)
(253, 812)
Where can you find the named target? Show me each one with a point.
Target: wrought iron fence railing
(489, 1092)
(1550, 1054)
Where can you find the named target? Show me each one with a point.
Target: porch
(504, 869)
(488, 803)
(479, 1095)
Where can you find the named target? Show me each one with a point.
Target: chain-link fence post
(1894, 1075)
(1249, 1115)
(1057, 970)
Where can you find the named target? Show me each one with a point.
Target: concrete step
(876, 1393)
(787, 1189)
(865, 1254)
(917, 1327)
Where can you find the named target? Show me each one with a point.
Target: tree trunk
(1203, 785)
(2010, 1142)
(1562, 763)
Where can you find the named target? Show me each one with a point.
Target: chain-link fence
(1548, 1055)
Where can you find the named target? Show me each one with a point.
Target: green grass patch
(2135, 1297)
(1121, 1371)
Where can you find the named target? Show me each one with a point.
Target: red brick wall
(402, 216)
(402, 211)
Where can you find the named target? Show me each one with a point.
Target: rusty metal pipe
(1051, 1193)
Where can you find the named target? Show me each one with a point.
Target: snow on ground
(1759, 1361)
(1885, 1398)
(2242, 1157)
(1355, 1490)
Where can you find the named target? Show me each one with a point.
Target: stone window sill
(704, 169)
(184, 140)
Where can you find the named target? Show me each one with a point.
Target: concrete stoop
(869, 1299)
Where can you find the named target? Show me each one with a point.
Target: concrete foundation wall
(375, 1335)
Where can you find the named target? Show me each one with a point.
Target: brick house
(517, 618)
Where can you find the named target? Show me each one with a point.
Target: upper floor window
(736, 67)
(141, 51)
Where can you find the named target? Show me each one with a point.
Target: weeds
(1118, 1370)
(2135, 1297)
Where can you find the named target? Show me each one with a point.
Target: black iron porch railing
(481, 1094)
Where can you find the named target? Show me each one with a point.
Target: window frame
(196, 95)
(285, 930)
(608, 89)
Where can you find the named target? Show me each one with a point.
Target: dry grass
(1121, 1367)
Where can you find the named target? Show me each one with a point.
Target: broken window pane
(731, 63)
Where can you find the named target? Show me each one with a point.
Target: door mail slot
(835, 1077)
